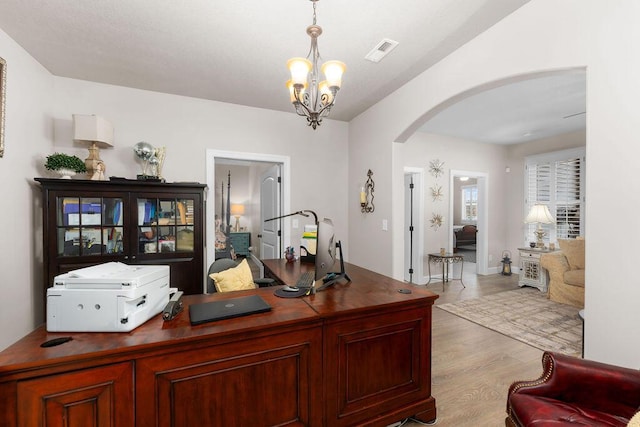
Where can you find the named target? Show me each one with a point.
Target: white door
(270, 242)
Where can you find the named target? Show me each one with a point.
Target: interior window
(469, 203)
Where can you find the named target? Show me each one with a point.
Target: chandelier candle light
(313, 98)
(539, 214)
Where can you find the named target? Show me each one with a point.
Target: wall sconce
(366, 195)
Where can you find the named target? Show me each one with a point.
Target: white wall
(39, 111)
(542, 35)
(457, 154)
(190, 126)
(613, 91)
(28, 133)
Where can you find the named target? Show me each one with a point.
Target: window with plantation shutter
(469, 203)
(556, 180)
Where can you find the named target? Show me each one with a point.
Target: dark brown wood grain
(358, 353)
(186, 267)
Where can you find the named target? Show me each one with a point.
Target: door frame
(210, 171)
(482, 245)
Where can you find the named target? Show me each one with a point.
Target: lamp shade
(237, 209)
(539, 214)
(91, 128)
(299, 69)
(333, 71)
(292, 93)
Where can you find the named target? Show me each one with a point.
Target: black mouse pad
(291, 294)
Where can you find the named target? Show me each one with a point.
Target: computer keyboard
(306, 279)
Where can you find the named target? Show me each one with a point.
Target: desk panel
(357, 353)
(377, 346)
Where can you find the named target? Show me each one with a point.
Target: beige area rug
(526, 315)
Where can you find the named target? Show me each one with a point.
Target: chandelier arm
(308, 111)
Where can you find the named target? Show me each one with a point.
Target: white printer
(110, 297)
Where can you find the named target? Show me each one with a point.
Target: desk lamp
(539, 214)
(99, 133)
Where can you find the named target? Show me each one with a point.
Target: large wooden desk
(355, 354)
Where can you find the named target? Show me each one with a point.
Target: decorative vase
(290, 257)
(66, 173)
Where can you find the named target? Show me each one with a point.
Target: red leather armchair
(573, 391)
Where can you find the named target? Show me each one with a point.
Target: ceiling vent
(381, 50)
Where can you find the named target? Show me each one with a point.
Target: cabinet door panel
(377, 364)
(92, 397)
(270, 381)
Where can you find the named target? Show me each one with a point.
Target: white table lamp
(99, 133)
(539, 214)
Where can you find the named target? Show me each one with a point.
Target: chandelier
(313, 98)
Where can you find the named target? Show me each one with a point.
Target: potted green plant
(65, 165)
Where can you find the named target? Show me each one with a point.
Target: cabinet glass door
(165, 225)
(89, 226)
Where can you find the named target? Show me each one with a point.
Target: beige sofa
(566, 272)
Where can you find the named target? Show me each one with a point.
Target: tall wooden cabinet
(135, 222)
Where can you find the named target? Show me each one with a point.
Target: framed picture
(3, 86)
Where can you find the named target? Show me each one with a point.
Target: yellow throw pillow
(573, 249)
(234, 279)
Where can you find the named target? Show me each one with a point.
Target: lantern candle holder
(506, 263)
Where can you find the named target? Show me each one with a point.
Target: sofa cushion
(574, 278)
(573, 249)
(543, 411)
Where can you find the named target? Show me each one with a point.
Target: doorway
(472, 211)
(258, 162)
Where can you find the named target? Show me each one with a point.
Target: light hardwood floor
(472, 366)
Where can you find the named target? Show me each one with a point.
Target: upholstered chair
(573, 391)
(566, 272)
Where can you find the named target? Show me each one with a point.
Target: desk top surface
(367, 292)
(154, 333)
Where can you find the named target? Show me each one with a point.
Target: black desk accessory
(173, 307)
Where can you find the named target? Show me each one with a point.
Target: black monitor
(326, 257)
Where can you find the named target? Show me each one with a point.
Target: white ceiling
(528, 110)
(236, 51)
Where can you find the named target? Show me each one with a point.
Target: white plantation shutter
(556, 180)
(569, 196)
(469, 203)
